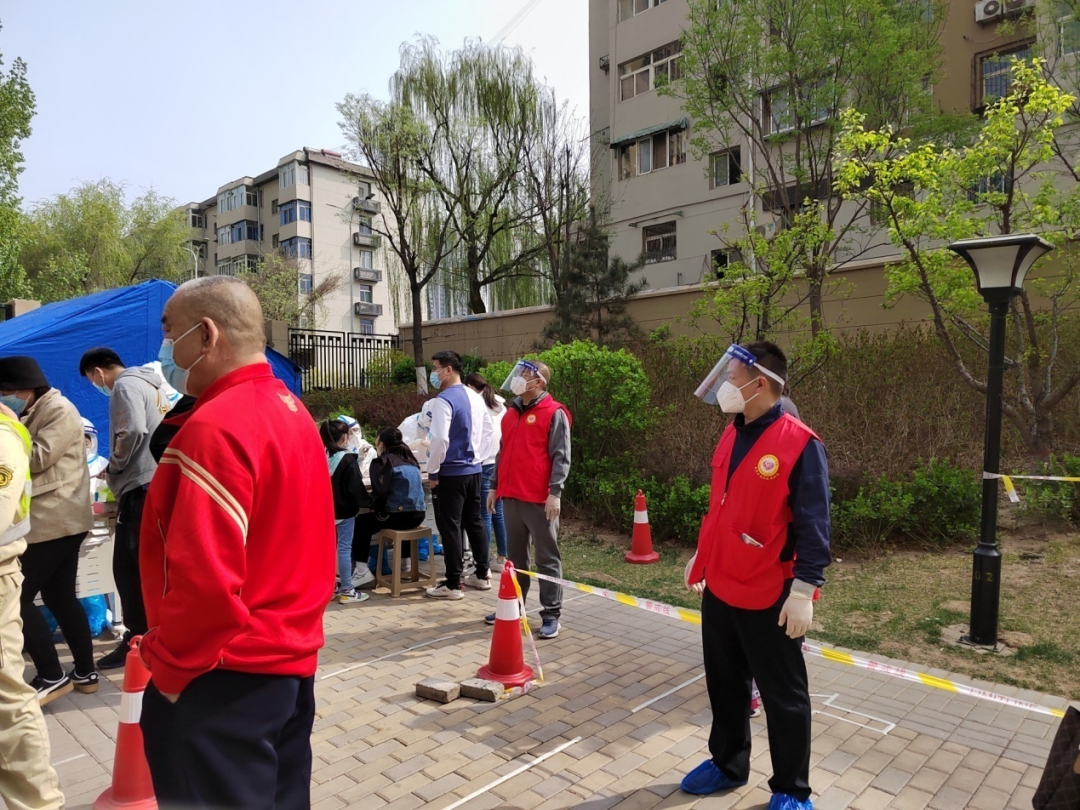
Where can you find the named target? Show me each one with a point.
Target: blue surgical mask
(16, 404)
(434, 381)
(103, 389)
(174, 375)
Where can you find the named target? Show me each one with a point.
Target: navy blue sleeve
(810, 527)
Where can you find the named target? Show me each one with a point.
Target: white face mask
(730, 397)
(518, 386)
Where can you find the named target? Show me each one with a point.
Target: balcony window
(230, 199)
(639, 75)
(367, 326)
(293, 174)
(240, 231)
(238, 265)
(298, 247)
(631, 8)
(367, 259)
(306, 283)
(195, 220)
(366, 294)
(659, 242)
(651, 154)
(782, 117)
(295, 210)
(363, 226)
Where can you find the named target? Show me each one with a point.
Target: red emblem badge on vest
(531, 419)
(768, 467)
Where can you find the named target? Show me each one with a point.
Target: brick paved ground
(878, 742)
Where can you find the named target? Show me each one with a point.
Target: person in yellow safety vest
(26, 778)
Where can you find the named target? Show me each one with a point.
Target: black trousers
(50, 568)
(232, 740)
(741, 645)
(456, 502)
(126, 561)
(369, 524)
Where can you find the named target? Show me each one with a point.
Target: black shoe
(51, 690)
(87, 684)
(116, 659)
(489, 619)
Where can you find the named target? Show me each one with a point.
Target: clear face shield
(521, 375)
(719, 389)
(90, 436)
(355, 436)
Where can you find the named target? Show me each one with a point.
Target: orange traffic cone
(506, 662)
(641, 547)
(131, 786)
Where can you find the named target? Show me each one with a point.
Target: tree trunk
(817, 314)
(417, 293)
(476, 300)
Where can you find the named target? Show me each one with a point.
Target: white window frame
(224, 235)
(636, 7)
(367, 326)
(727, 157)
(665, 59)
(644, 156)
(366, 290)
(293, 174)
(366, 260)
(783, 97)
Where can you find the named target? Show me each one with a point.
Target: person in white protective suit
(97, 464)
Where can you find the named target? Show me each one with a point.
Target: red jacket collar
(254, 371)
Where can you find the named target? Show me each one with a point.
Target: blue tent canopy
(128, 320)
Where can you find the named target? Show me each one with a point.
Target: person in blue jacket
(397, 500)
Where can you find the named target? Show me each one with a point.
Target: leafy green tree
(276, 281)
(770, 78)
(92, 239)
(1004, 182)
(17, 108)
(595, 290)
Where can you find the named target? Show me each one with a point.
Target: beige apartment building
(317, 209)
(663, 201)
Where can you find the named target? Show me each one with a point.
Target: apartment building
(663, 201)
(317, 210)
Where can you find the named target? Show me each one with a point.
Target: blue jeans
(492, 521)
(344, 553)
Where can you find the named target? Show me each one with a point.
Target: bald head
(230, 303)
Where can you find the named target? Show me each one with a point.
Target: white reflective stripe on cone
(131, 707)
(642, 516)
(507, 610)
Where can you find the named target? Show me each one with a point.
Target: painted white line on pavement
(888, 724)
(384, 657)
(672, 691)
(512, 774)
(66, 761)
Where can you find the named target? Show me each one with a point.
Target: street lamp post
(1000, 264)
(195, 257)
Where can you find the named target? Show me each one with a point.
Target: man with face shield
(530, 472)
(762, 551)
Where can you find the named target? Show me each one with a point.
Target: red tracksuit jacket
(237, 545)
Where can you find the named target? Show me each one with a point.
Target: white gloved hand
(553, 507)
(798, 610)
(696, 587)
(491, 503)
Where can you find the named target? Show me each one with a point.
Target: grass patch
(897, 605)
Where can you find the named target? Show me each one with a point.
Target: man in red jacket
(762, 552)
(531, 470)
(237, 564)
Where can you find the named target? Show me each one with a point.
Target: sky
(185, 96)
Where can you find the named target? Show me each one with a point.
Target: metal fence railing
(341, 359)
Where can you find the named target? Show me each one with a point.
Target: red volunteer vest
(755, 504)
(524, 463)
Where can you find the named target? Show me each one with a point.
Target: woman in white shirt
(493, 522)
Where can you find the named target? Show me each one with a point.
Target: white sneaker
(498, 565)
(473, 581)
(406, 565)
(363, 578)
(443, 592)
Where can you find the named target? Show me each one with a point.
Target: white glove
(696, 587)
(798, 610)
(491, 503)
(553, 507)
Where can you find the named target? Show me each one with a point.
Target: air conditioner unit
(991, 11)
(365, 274)
(368, 309)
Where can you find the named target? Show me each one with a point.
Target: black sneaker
(116, 659)
(87, 684)
(50, 690)
(489, 619)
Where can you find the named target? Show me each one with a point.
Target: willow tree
(392, 141)
(764, 82)
(480, 106)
